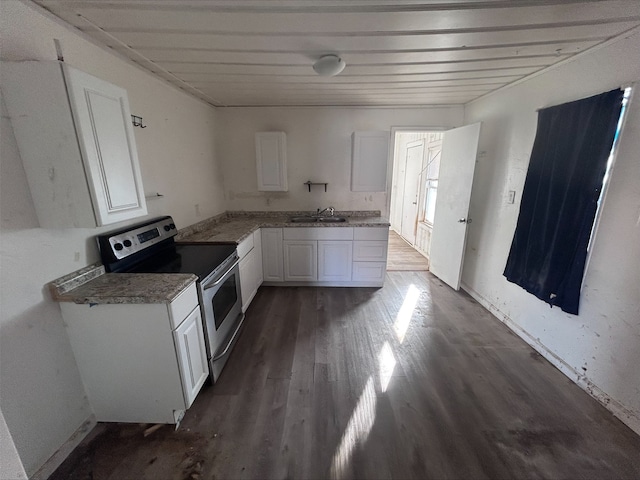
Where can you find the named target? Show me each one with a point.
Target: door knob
(464, 220)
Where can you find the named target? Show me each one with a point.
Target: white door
(414, 156)
(458, 161)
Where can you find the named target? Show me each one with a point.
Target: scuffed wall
(318, 149)
(41, 394)
(600, 348)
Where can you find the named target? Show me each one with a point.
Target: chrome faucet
(331, 211)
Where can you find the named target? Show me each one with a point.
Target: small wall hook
(137, 121)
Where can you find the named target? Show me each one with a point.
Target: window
(571, 154)
(431, 172)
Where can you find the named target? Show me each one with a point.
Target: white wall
(41, 394)
(318, 149)
(600, 348)
(12, 468)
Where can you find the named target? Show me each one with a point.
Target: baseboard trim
(65, 450)
(626, 416)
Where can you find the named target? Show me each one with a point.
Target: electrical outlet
(511, 197)
(197, 205)
(76, 257)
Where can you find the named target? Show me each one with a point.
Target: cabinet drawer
(372, 272)
(371, 233)
(245, 246)
(183, 305)
(370, 250)
(318, 233)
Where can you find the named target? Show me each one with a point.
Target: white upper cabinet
(77, 145)
(271, 161)
(370, 153)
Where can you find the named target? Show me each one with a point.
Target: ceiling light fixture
(329, 65)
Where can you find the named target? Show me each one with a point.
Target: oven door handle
(233, 337)
(217, 282)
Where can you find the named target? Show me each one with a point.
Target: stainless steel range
(150, 247)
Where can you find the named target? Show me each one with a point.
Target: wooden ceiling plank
(463, 81)
(507, 54)
(197, 44)
(310, 48)
(351, 70)
(365, 79)
(122, 18)
(302, 6)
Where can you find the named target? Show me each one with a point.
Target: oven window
(224, 300)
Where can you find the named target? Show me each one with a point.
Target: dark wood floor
(361, 383)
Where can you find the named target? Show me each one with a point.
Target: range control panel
(136, 238)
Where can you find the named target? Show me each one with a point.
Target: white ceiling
(405, 52)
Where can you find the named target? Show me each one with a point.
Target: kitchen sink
(317, 219)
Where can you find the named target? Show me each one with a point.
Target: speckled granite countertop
(92, 285)
(128, 288)
(235, 227)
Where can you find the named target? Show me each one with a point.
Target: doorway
(431, 192)
(416, 164)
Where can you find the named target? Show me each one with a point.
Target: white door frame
(392, 163)
(414, 220)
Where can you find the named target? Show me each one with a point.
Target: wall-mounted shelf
(137, 121)
(308, 183)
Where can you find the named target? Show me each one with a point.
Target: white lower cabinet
(142, 363)
(334, 260)
(300, 260)
(192, 356)
(272, 264)
(329, 256)
(250, 253)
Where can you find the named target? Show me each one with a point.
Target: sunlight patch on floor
(357, 431)
(387, 363)
(403, 318)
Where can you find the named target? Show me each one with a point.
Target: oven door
(222, 310)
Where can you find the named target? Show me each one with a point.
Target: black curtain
(560, 197)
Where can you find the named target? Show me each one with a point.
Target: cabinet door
(103, 125)
(257, 241)
(369, 161)
(250, 276)
(300, 260)
(272, 264)
(246, 279)
(192, 356)
(271, 161)
(334, 261)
